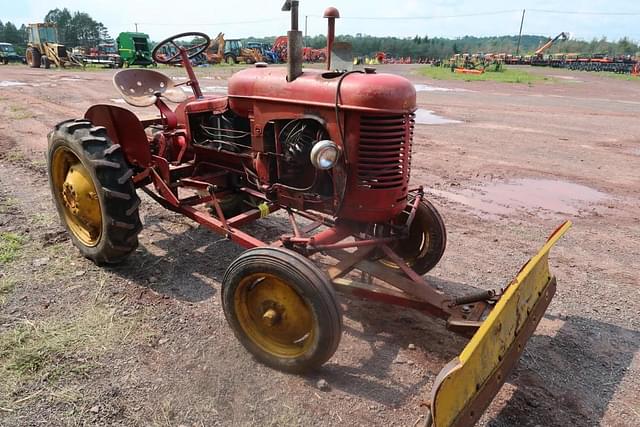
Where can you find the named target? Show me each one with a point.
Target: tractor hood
(370, 92)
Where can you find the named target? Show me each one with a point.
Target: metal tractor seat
(141, 87)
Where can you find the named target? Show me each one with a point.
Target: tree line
(74, 29)
(80, 29)
(440, 47)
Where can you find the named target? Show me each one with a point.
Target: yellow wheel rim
(76, 193)
(274, 316)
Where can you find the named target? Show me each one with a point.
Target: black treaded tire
(111, 176)
(46, 62)
(230, 59)
(311, 285)
(34, 58)
(423, 258)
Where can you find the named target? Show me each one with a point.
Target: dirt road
(146, 343)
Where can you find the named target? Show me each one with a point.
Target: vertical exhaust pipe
(294, 45)
(331, 13)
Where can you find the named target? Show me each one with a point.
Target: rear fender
(125, 129)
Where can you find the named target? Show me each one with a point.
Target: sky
(244, 18)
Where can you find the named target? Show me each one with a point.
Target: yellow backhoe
(45, 49)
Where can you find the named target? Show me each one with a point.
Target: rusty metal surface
(140, 87)
(124, 128)
(374, 93)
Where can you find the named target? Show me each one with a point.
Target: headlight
(324, 154)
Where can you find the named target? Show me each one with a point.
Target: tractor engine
(367, 117)
(334, 141)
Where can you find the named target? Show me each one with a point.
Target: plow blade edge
(465, 387)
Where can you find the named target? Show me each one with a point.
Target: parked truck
(8, 54)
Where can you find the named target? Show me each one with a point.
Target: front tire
(427, 240)
(282, 309)
(93, 192)
(34, 59)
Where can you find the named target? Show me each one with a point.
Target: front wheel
(423, 248)
(282, 309)
(33, 57)
(93, 192)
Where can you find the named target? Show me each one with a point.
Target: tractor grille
(385, 151)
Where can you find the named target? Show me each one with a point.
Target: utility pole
(520, 35)
(306, 22)
(136, 24)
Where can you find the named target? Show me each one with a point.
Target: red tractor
(332, 152)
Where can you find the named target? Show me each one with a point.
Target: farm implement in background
(104, 54)
(280, 47)
(44, 48)
(231, 51)
(134, 49)
(330, 150)
(476, 64)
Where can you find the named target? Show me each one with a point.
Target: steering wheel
(192, 51)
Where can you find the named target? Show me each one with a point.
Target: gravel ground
(146, 343)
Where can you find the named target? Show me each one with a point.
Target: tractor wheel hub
(70, 198)
(271, 316)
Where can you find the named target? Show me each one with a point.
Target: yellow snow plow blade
(465, 387)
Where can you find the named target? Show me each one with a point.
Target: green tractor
(135, 49)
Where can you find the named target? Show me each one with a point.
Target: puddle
(427, 117)
(8, 83)
(531, 195)
(429, 88)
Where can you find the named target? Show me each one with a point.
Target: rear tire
(230, 59)
(93, 191)
(33, 57)
(282, 309)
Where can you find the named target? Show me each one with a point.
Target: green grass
(627, 77)
(53, 349)
(507, 75)
(10, 245)
(19, 113)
